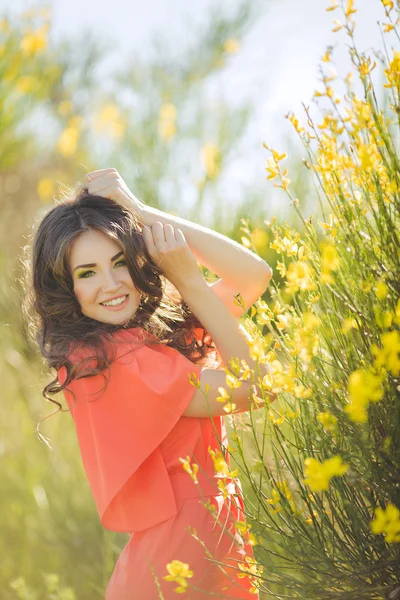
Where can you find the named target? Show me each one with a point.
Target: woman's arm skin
(241, 271)
(230, 342)
(170, 250)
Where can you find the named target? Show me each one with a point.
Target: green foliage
(324, 496)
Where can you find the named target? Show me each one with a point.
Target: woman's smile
(118, 304)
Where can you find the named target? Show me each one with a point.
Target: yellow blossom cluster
(108, 120)
(231, 46)
(252, 570)
(282, 490)
(35, 42)
(179, 572)
(300, 276)
(273, 168)
(330, 261)
(393, 72)
(387, 522)
(212, 159)
(305, 342)
(283, 378)
(222, 470)
(364, 386)
(167, 121)
(388, 356)
(68, 140)
(190, 468)
(328, 420)
(319, 474)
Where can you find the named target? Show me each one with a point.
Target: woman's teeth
(115, 302)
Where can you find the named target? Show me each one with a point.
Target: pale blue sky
(277, 66)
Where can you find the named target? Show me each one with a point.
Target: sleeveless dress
(131, 436)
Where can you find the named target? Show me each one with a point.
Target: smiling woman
(118, 308)
(106, 291)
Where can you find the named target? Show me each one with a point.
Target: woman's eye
(83, 275)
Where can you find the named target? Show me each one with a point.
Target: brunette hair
(54, 318)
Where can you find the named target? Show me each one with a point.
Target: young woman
(139, 340)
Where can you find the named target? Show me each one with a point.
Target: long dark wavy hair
(53, 314)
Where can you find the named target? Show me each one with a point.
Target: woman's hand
(170, 251)
(109, 184)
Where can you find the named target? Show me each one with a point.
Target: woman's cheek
(81, 293)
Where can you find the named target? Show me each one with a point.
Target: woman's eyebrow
(94, 264)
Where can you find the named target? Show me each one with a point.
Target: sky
(277, 66)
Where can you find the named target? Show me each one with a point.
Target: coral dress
(131, 437)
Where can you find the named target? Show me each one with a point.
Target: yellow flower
(349, 324)
(211, 157)
(260, 238)
(272, 168)
(363, 387)
(387, 522)
(224, 396)
(330, 258)
(45, 189)
(393, 72)
(232, 381)
(388, 27)
(299, 276)
(178, 572)
(349, 8)
(285, 181)
(26, 84)
(281, 268)
(338, 25)
(295, 122)
(231, 46)
(34, 42)
(383, 318)
(253, 571)
(388, 356)
(318, 475)
(65, 108)
(190, 468)
(276, 420)
(4, 26)
(381, 290)
(221, 467)
(68, 141)
(109, 120)
(334, 7)
(328, 420)
(327, 56)
(257, 349)
(167, 121)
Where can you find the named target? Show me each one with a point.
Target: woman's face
(100, 274)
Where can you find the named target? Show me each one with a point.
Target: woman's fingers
(169, 233)
(149, 241)
(159, 236)
(95, 174)
(180, 237)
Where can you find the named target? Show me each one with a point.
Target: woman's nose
(111, 282)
